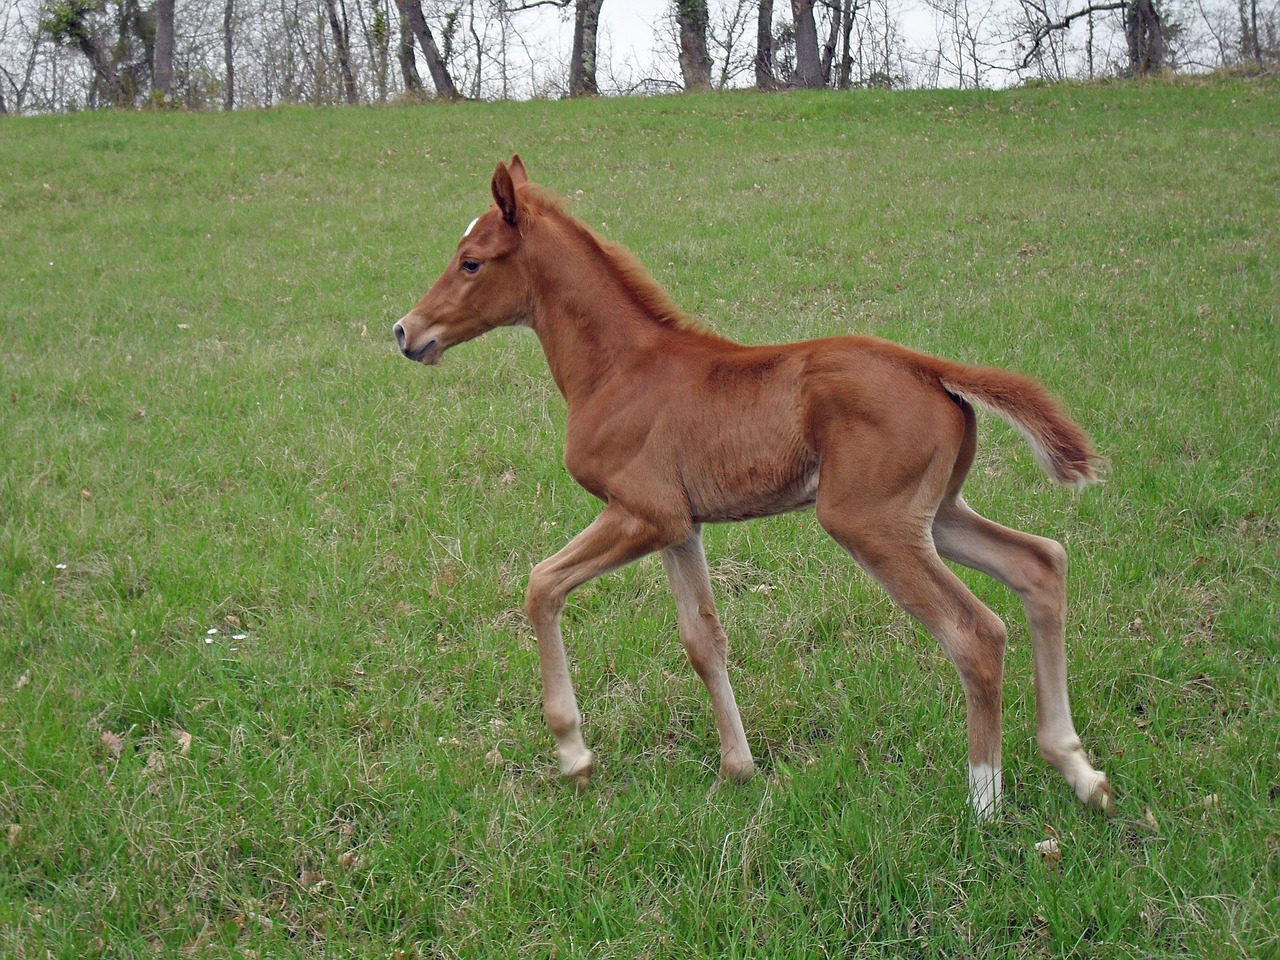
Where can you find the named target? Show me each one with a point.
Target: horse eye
(470, 266)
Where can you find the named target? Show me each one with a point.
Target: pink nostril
(398, 330)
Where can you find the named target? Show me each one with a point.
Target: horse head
(485, 284)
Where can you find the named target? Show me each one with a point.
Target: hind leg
(1035, 569)
(898, 552)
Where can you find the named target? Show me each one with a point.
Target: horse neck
(588, 322)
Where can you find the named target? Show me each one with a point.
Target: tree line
(204, 54)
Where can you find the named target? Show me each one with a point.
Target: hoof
(580, 773)
(1101, 797)
(736, 771)
(984, 812)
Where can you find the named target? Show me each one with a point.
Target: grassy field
(206, 428)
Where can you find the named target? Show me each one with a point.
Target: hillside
(265, 686)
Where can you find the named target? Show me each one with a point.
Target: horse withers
(673, 427)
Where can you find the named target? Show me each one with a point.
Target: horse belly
(750, 492)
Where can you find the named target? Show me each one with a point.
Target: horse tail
(1059, 444)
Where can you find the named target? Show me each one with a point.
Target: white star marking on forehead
(471, 226)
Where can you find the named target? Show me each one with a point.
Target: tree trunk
(112, 72)
(1144, 34)
(846, 57)
(695, 62)
(1255, 43)
(339, 30)
(808, 72)
(764, 47)
(377, 38)
(412, 10)
(408, 63)
(1089, 46)
(104, 71)
(162, 69)
(228, 16)
(141, 25)
(832, 44)
(477, 80)
(582, 62)
(1246, 44)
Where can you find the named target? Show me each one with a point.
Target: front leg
(613, 540)
(707, 647)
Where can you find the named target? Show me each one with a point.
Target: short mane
(626, 267)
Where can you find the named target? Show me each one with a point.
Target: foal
(672, 427)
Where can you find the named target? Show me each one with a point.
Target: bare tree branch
(536, 3)
(1042, 31)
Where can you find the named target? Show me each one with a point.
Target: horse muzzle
(428, 352)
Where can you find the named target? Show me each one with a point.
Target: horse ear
(504, 194)
(519, 175)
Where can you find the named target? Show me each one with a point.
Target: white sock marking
(984, 789)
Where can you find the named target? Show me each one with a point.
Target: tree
(22, 37)
(586, 27)
(228, 21)
(965, 43)
(765, 79)
(808, 71)
(377, 38)
(725, 35)
(828, 52)
(408, 62)
(118, 62)
(582, 61)
(878, 52)
(1144, 33)
(412, 11)
(695, 63)
(846, 57)
(162, 69)
(1250, 47)
(341, 45)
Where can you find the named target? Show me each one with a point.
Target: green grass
(205, 420)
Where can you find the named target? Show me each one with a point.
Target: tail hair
(1059, 444)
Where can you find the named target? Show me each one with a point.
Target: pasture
(265, 684)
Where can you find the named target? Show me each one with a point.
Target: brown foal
(672, 427)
